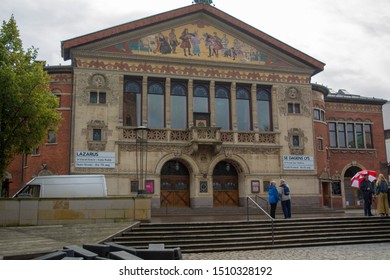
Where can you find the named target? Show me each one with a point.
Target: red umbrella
(359, 177)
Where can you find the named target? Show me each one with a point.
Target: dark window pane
(367, 131)
(317, 114)
(290, 107)
(179, 105)
(263, 110)
(341, 135)
(359, 136)
(156, 108)
(132, 104)
(102, 98)
(222, 108)
(201, 99)
(93, 97)
(332, 135)
(351, 135)
(97, 135)
(297, 108)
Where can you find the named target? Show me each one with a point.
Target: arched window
(178, 106)
(243, 109)
(201, 105)
(156, 105)
(263, 110)
(222, 107)
(132, 103)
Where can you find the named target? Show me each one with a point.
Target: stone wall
(51, 211)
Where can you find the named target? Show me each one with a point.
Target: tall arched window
(222, 107)
(243, 109)
(201, 105)
(178, 106)
(156, 105)
(263, 110)
(132, 104)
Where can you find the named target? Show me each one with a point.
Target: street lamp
(141, 156)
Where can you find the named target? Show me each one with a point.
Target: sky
(352, 37)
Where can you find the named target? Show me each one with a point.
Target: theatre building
(225, 104)
(228, 109)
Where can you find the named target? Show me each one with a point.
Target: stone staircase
(214, 236)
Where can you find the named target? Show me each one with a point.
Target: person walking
(285, 199)
(367, 191)
(273, 198)
(382, 188)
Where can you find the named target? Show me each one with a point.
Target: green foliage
(27, 107)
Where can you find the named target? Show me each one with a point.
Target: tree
(27, 107)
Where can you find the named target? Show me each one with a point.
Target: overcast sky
(352, 37)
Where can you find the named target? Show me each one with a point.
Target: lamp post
(141, 156)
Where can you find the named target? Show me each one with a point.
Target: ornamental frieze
(346, 107)
(179, 70)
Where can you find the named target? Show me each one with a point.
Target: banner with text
(95, 159)
(298, 162)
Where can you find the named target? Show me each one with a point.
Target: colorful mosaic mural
(197, 41)
(204, 72)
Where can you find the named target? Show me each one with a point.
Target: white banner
(91, 159)
(298, 162)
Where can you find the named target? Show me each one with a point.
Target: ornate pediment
(197, 40)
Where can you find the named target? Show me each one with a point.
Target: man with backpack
(285, 198)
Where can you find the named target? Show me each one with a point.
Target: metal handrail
(265, 212)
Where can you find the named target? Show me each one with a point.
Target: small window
(35, 152)
(317, 114)
(295, 141)
(51, 137)
(97, 97)
(97, 135)
(320, 144)
(93, 97)
(294, 108)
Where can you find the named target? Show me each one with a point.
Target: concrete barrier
(51, 211)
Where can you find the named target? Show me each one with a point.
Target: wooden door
(225, 191)
(175, 191)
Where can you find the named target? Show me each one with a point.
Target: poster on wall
(298, 162)
(92, 159)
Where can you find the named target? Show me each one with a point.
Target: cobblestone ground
(378, 251)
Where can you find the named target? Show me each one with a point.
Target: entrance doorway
(326, 195)
(353, 196)
(225, 185)
(175, 185)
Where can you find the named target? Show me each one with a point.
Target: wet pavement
(27, 240)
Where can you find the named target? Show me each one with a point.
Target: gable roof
(67, 45)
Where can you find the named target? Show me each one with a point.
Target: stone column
(255, 123)
(145, 101)
(190, 103)
(234, 109)
(212, 104)
(168, 103)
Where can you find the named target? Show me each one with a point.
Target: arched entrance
(175, 185)
(353, 196)
(225, 185)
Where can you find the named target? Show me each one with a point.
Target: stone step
(236, 235)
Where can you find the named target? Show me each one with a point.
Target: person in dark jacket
(285, 199)
(367, 190)
(273, 198)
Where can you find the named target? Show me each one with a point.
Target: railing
(204, 134)
(249, 199)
